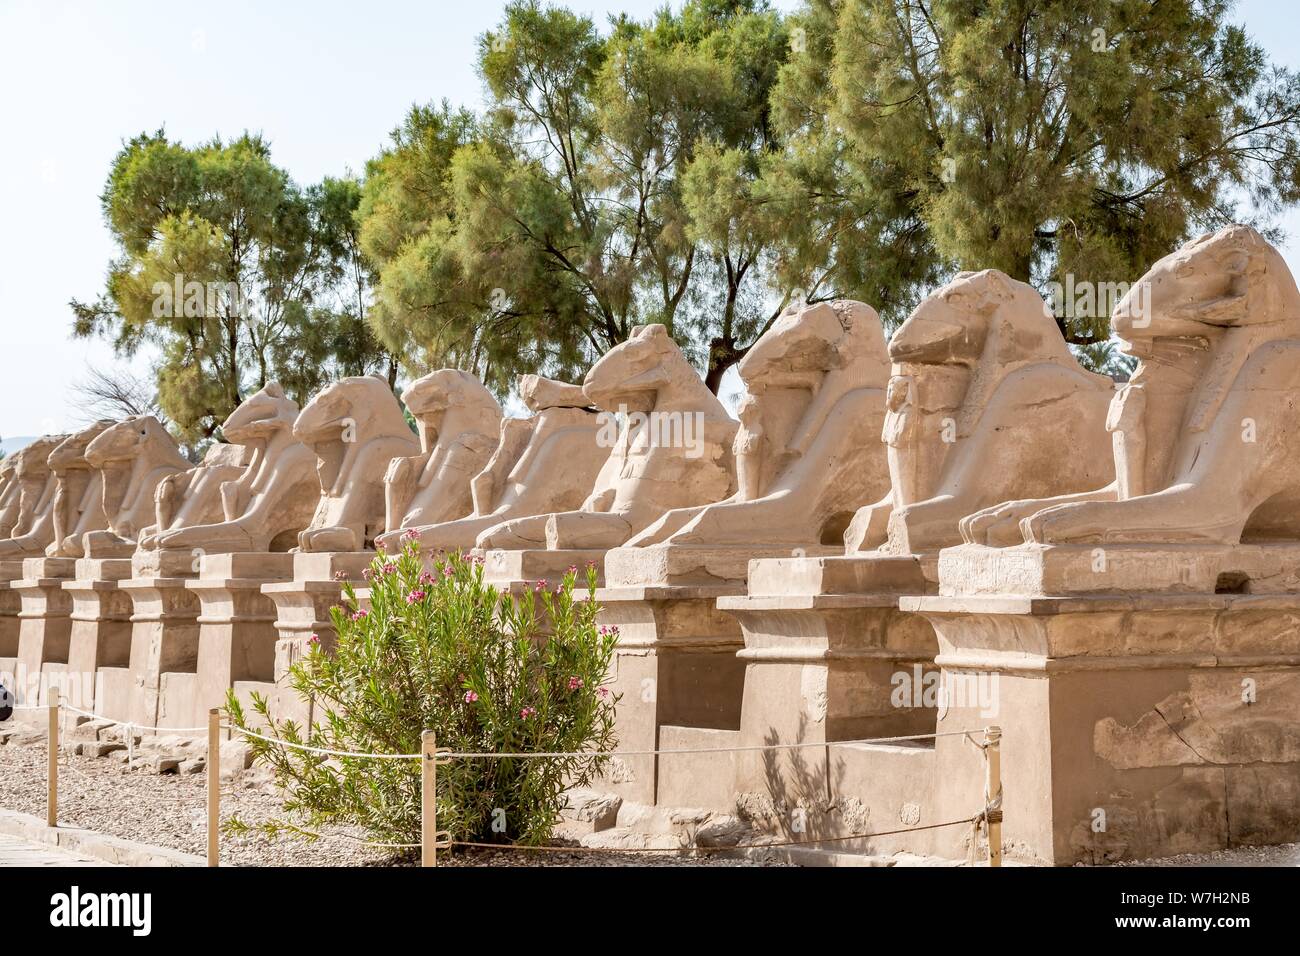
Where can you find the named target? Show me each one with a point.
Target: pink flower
(572, 569)
(390, 568)
(540, 585)
(340, 575)
(314, 640)
(367, 573)
(470, 697)
(413, 596)
(575, 683)
(527, 712)
(591, 564)
(410, 534)
(448, 571)
(360, 615)
(602, 692)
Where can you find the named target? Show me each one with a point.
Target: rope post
(993, 792)
(214, 787)
(428, 799)
(52, 790)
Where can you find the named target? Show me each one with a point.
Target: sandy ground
(101, 794)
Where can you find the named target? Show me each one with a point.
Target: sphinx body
(1205, 436)
(10, 494)
(79, 495)
(132, 457)
(676, 450)
(458, 421)
(33, 527)
(985, 403)
(542, 464)
(807, 453)
(194, 497)
(274, 497)
(355, 427)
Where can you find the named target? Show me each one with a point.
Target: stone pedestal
(1134, 724)
(99, 643)
(10, 604)
(44, 626)
(303, 604)
(237, 635)
(164, 638)
(516, 571)
(828, 656)
(676, 665)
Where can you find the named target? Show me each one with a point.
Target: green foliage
(490, 673)
(537, 237)
(237, 275)
(1040, 137)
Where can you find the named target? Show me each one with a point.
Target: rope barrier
(526, 755)
(131, 724)
(989, 818)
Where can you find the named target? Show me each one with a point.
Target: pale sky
(325, 81)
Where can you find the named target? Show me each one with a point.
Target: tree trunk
(722, 355)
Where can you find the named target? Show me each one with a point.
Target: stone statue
(985, 403)
(355, 427)
(542, 464)
(193, 497)
(79, 493)
(273, 499)
(458, 421)
(1205, 436)
(10, 494)
(33, 528)
(807, 449)
(675, 449)
(134, 456)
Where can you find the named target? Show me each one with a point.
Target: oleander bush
(489, 672)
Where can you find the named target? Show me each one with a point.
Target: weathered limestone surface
(194, 497)
(33, 527)
(133, 457)
(806, 458)
(545, 463)
(458, 421)
(78, 505)
(647, 472)
(807, 454)
(10, 493)
(259, 511)
(984, 398)
(355, 427)
(1143, 636)
(273, 500)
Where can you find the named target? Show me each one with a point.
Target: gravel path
(101, 794)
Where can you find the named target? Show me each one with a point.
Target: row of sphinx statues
(992, 433)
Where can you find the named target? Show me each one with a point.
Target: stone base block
(303, 604)
(237, 634)
(685, 565)
(100, 635)
(164, 638)
(520, 568)
(1057, 570)
(1132, 727)
(45, 626)
(676, 665)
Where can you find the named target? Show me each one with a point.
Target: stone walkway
(16, 852)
